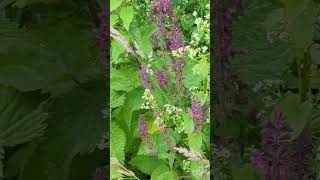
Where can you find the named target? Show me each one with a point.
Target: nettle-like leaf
(42, 58)
(125, 79)
(126, 14)
(19, 121)
(265, 59)
(133, 103)
(76, 117)
(118, 142)
(116, 99)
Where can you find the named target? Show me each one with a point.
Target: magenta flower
(163, 79)
(143, 131)
(198, 113)
(145, 77)
(275, 160)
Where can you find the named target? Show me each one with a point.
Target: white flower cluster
(186, 166)
(149, 100)
(173, 113)
(200, 40)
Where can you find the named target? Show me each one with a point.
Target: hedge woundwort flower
(163, 79)
(198, 113)
(145, 77)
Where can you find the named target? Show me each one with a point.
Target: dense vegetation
(160, 89)
(52, 91)
(268, 90)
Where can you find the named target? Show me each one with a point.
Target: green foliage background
(52, 91)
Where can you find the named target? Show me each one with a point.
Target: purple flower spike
(163, 79)
(143, 131)
(273, 159)
(198, 113)
(145, 77)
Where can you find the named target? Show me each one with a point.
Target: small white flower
(204, 49)
(194, 13)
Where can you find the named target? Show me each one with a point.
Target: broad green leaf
(133, 103)
(297, 114)
(117, 143)
(188, 123)
(301, 18)
(265, 59)
(126, 14)
(195, 141)
(125, 79)
(202, 69)
(162, 173)
(146, 164)
(20, 122)
(114, 4)
(78, 119)
(116, 99)
(116, 50)
(42, 58)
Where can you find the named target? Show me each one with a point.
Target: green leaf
(20, 122)
(114, 4)
(188, 123)
(126, 14)
(297, 114)
(301, 18)
(202, 69)
(116, 99)
(133, 102)
(265, 59)
(202, 96)
(198, 169)
(144, 149)
(113, 19)
(78, 119)
(125, 79)
(146, 164)
(42, 58)
(195, 141)
(116, 50)
(117, 143)
(162, 173)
